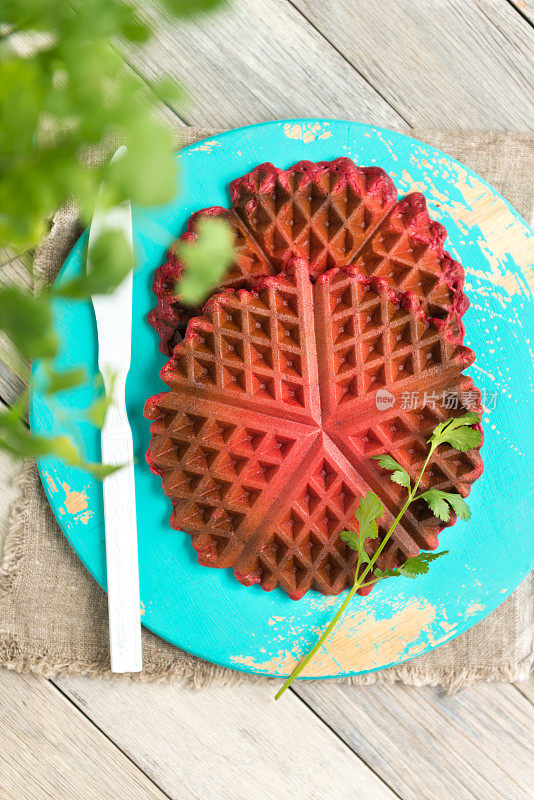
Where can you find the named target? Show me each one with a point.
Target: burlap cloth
(53, 615)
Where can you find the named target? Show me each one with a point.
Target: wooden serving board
(205, 611)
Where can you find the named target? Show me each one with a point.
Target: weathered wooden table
(398, 63)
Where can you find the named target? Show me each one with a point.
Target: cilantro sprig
(460, 433)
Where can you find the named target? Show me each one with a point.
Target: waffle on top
(264, 442)
(332, 214)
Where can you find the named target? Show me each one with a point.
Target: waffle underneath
(331, 213)
(264, 442)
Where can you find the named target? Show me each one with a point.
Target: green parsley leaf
(439, 503)
(459, 506)
(369, 509)
(399, 474)
(464, 439)
(385, 573)
(355, 543)
(418, 565)
(63, 447)
(185, 7)
(412, 567)
(457, 432)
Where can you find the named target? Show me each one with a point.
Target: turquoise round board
(206, 611)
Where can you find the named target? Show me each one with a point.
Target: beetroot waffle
(264, 442)
(333, 214)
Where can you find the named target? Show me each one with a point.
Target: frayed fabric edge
(195, 673)
(199, 674)
(55, 247)
(13, 550)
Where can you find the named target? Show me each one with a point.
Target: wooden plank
(476, 745)
(9, 254)
(16, 264)
(11, 386)
(256, 60)
(444, 63)
(49, 750)
(525, 8)
(14, 368)
(526, 688)
(224, 742)
(13, 359)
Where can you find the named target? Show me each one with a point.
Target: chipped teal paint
(206, 611)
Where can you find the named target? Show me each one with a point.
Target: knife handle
(124, 606)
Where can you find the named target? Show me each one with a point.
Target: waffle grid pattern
(376, 341)
(305, 546)
(332, 214)
(323, 215)
(277, 521)
(253, 347)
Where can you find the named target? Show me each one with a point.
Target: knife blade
(113, 314)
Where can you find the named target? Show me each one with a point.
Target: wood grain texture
(14, 368)
(10, 254)
(49, 750)
(11, 386)
(476, 745)
(225, 742)
(257, 60)
(442, 63)
(525, 8)
(527, 689)
(13, 359)
(17, 269)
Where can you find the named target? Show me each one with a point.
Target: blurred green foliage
(65, 95)
(206, 260)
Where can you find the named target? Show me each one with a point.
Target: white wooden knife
(114, 325)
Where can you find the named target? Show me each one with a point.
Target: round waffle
(333, 214)
(264, 442)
